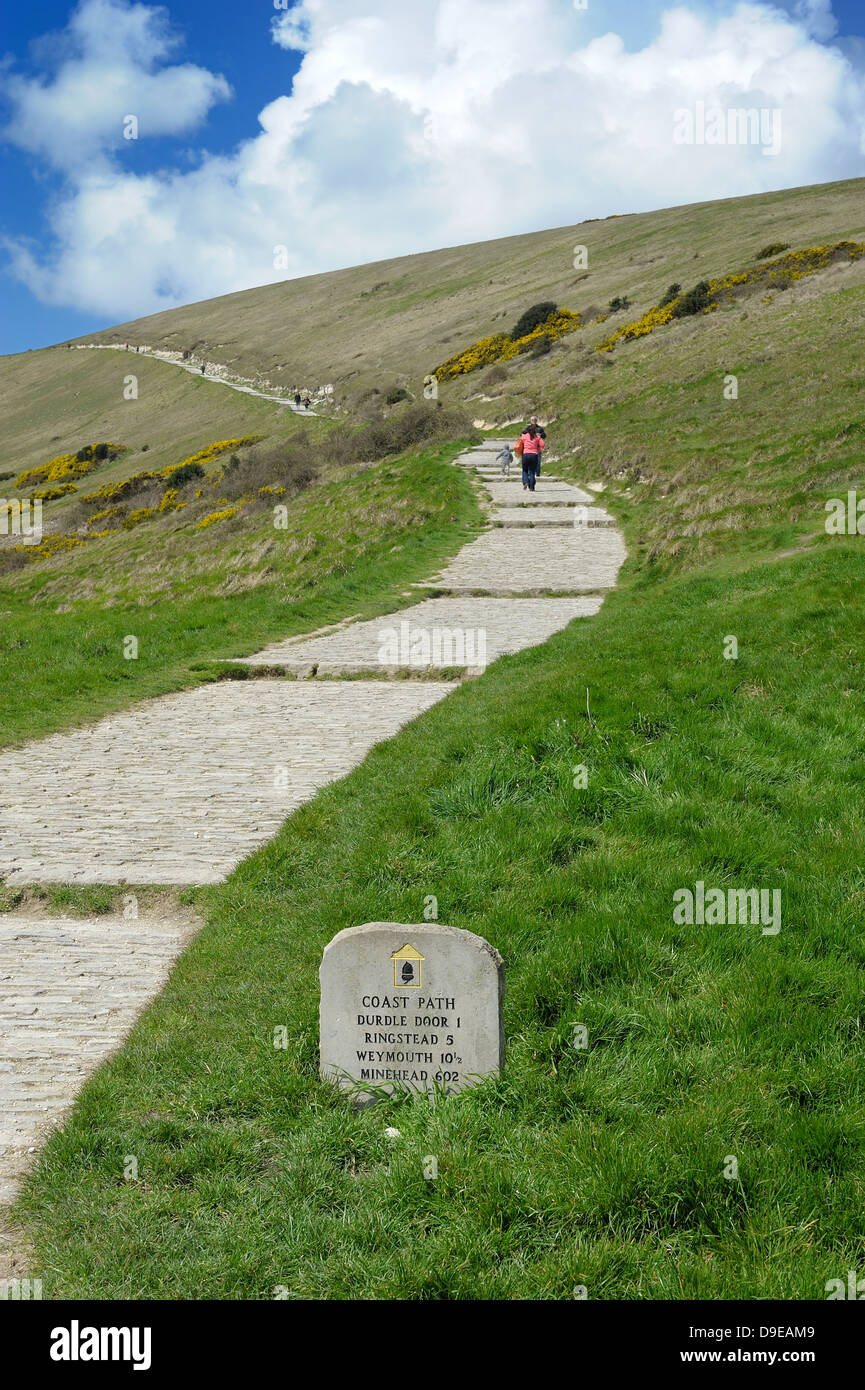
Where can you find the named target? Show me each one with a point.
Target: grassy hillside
(608, 1166)
(396, 320)
(54, 400)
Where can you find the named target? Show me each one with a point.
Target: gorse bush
(620, 302)
(397, 393)
(541, 346)
(775, 275)
(672, 292)
(533, 318)
(184, 473)
(66, 467)
(501, 348)
(693, 301)
(773, 249)
(48, 494)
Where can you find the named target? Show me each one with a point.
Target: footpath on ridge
(178, 790)
(218, 373)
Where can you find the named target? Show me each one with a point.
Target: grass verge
(603, 1166)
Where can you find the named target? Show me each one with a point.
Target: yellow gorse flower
(65, 466)
(47, 494)
(110, 492)
(501, 348)
(775, 274)
(217, 516)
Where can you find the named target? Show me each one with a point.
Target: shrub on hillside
(184, 473)
(533, 318)
(541, 346)
(501, 348)
(68, 466)
(773, 249)
(494, 377)
(418, 424)
(285, 463)
(620, 302)
(693, 301)
(396, 393)
(48, 494)
(672, 292)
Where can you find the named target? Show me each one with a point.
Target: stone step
(572, 516)
(440, 632)
(181, 788)
(568, 560)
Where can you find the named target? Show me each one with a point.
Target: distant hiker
(297, 398)
(202, 369)
(530, 445)
(505, 458)
(127, 347)
(306, 402)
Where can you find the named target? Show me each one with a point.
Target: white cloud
(439, 122)
(106, 71)
(817, 17)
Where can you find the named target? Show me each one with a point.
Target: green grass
(352, 546)
(601, 1167)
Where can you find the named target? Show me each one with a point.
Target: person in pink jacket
(533, 445)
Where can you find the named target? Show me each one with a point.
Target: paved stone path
(178, 790)
(579, 515)
(567, 560)
(69, 993)
(217, 373)
(507, 493)
(507, 626)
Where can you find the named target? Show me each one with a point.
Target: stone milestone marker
(416, 1006)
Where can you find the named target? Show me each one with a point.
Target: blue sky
(275, 142)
